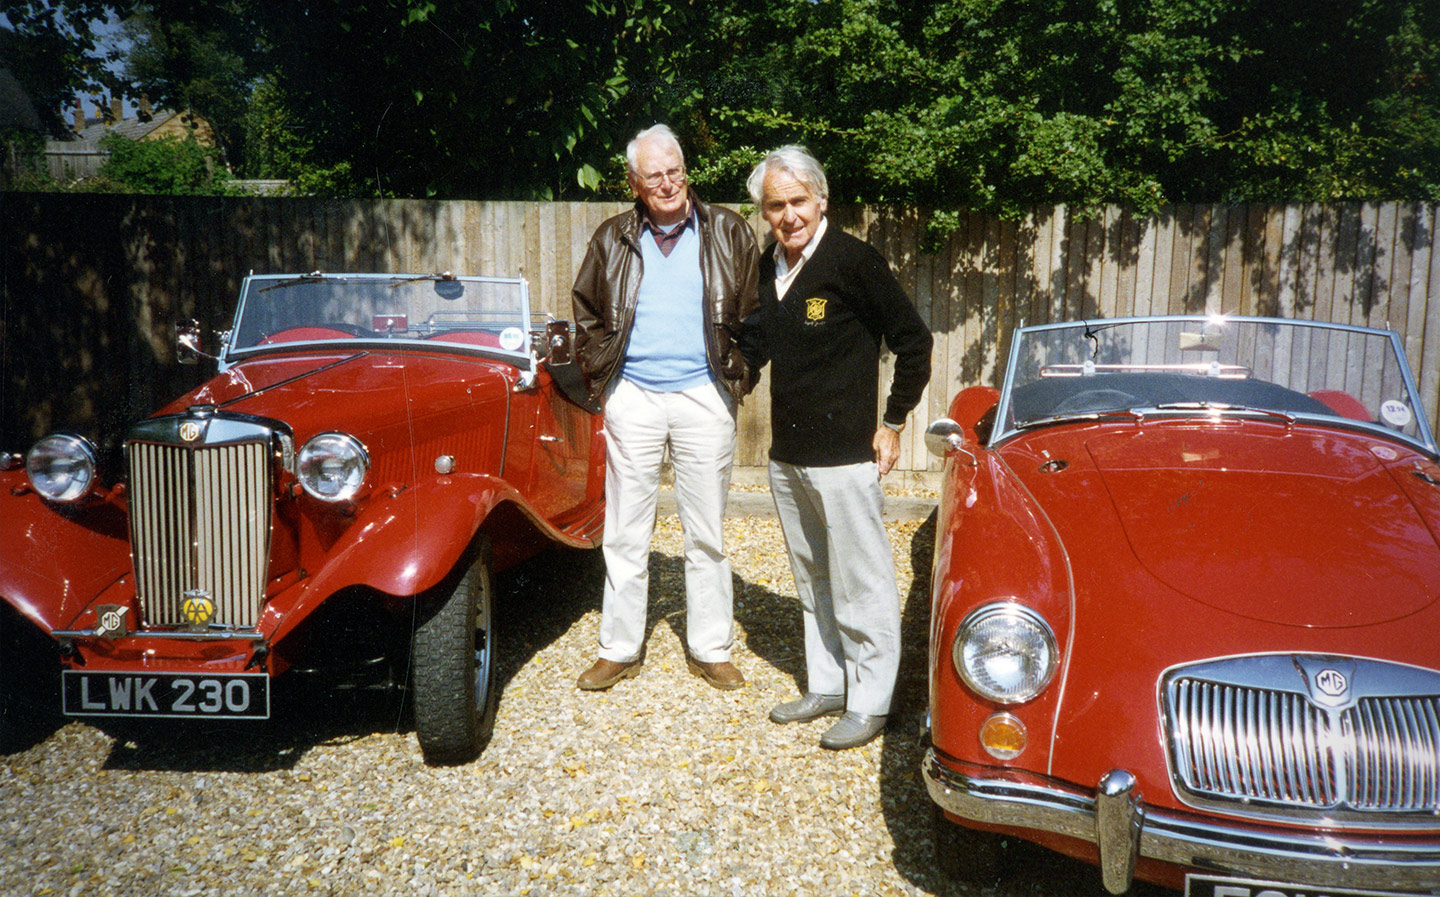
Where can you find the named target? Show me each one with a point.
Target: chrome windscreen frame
(523, 357)
(1425, 441)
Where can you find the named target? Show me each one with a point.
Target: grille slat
(1273, 749)
(200, 519)
(1387, 729)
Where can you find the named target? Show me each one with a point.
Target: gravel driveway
(662, 785)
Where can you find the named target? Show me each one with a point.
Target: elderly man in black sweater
(827, 302)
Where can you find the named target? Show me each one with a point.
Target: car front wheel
(454, 667)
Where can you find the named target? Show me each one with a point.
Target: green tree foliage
(168, 165)
(198, 57)
(53, 49)
(492, 98)
(998, 103)
(990, 104)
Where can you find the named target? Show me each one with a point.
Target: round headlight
(1005, 652)
(61, 468)
(332, 466)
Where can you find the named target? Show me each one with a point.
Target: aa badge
(815, 309)
(198, 608)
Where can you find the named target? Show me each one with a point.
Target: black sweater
(823, 344)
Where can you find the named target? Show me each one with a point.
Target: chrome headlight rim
(327, 454)
(61, 467)
(1026, 622)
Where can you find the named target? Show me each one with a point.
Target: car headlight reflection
(332, 466)
(1005, 652)
(61, 468)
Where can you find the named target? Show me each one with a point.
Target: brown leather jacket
(608, 286)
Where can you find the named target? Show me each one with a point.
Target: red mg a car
(371, 450)
(1185, 619)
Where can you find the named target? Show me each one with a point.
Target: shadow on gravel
(1034, 872)
(29, 693)
(774, 628)
(771, 622)
(537, 602)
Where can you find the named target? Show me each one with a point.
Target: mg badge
(198, 608)
(110, 621)
(190, 431)
(1332, 682)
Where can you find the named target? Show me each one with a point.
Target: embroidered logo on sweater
(815, 309)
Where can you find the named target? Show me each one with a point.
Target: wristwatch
(898, 428)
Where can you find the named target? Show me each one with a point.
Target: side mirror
(944, 436)
(188, 342)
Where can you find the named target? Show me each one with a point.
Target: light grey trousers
(844, 570)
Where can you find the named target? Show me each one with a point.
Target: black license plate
(183, 695)
(1217, 886)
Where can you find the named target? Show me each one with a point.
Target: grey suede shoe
(853, 730)
(811, 706)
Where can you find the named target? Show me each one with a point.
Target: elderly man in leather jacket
(658, 304)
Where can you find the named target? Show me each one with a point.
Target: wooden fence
(92, 283)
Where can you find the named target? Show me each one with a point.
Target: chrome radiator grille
(1261, 732)
(200, 519)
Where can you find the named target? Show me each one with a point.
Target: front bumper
(1123, 829)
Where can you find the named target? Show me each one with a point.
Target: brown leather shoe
(721, 674)
(606, 673)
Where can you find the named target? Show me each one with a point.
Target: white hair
(799, 163)
(654, 132)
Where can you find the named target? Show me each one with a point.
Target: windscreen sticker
(511, 339)
(1395, 413)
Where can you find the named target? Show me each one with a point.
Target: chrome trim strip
(1290, 855)
(219, 635)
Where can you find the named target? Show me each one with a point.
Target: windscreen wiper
(401, 281)
(312, 277)
(1128, 413)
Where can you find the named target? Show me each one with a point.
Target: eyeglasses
(675, 176)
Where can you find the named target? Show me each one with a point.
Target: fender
(54, 562)
(997, 545)
(406, 544)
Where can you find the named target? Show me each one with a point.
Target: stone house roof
(160, 123)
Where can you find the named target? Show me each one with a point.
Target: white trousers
(844, 571)
(699, 426)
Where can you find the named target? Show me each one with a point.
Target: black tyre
(454, 692)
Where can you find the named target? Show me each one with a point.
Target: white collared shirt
(784, 274)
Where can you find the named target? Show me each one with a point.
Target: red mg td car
(1185, 616)
(371, 450)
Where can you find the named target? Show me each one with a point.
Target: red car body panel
(1149, 546)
